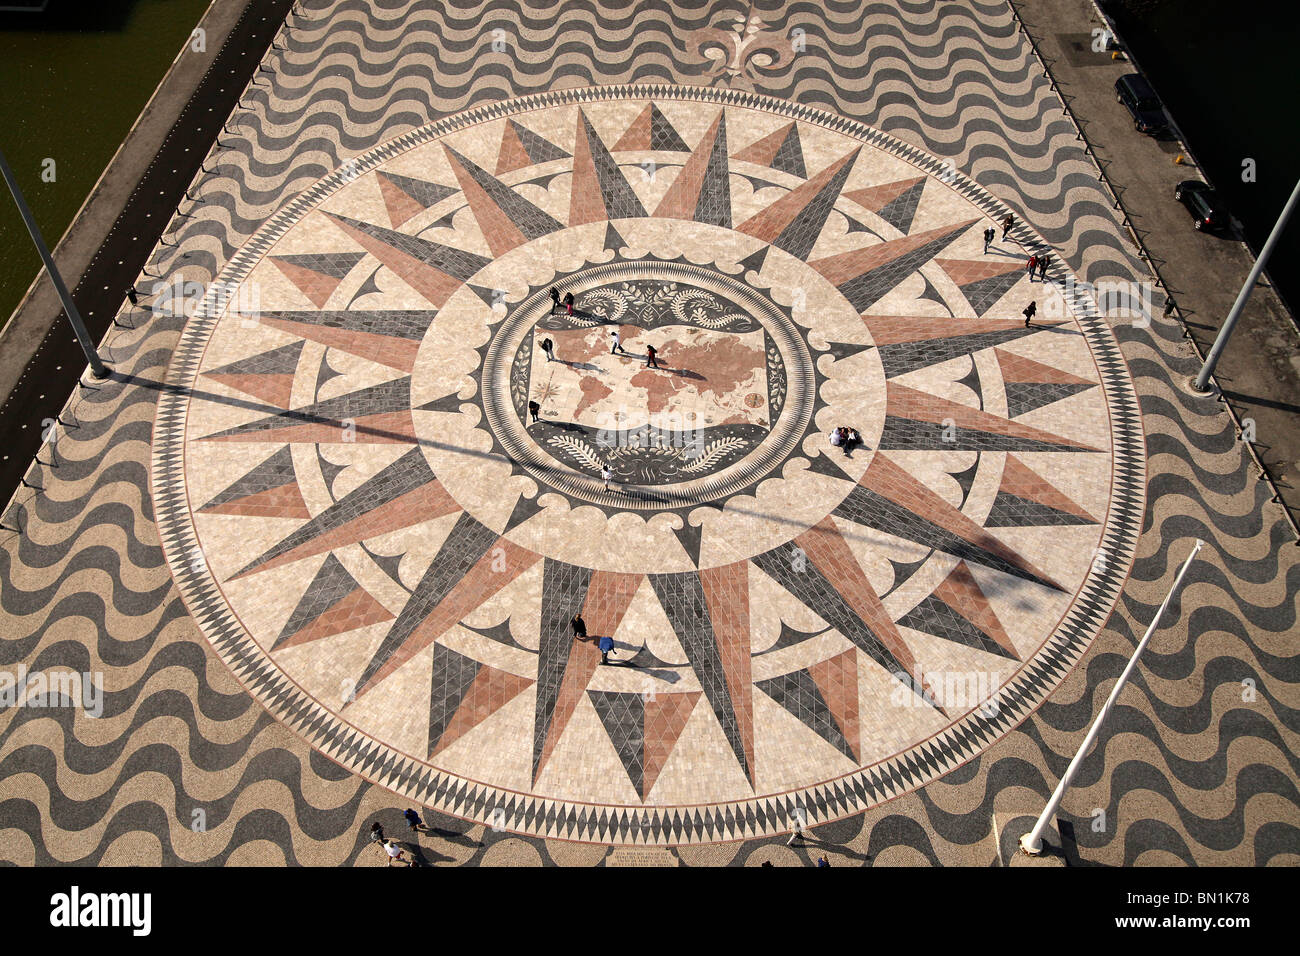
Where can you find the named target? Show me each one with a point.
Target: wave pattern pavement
(1198, 763)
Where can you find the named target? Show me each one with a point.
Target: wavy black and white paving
(1197, 764)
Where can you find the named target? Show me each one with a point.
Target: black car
(1203, 203)
(1137, 96)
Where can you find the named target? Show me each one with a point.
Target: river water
(73, 79)
(1228, 74)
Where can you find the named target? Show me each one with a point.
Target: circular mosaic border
(781, 441)
(570, 820)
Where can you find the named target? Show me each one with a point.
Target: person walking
(395, 853)
(377, 834)
(1030, 311)
(555, 300)
(618, 343)
(606, 475)
(549, 348)
(568, 302)
(650, 353)
(988, 237)
(534, 409)
(1033, 264)
(579, 626)
(1043, 260)
(606, 648)
(413, 819)
(1007, 222)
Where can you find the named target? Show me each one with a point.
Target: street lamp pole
(1202, 383)
(98, 368)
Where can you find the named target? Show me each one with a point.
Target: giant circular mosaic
(392, 470)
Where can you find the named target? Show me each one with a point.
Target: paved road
(1260, 370)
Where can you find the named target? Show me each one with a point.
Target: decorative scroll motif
(648, 455)
(650, 304)
(520, 380)
(777, 382)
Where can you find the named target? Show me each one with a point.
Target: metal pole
(1032, 842)
(1202, 383)
(83, 337)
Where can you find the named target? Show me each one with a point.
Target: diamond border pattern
(736, 820)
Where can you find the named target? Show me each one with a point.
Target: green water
(72, 83)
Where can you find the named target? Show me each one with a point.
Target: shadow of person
(434, 828)
(641, 659)
(425, 856)
(451, 836)
(610, 654)
(685, 373)
(806, 841)
(641, 494)
(668, 677)
(569, 427)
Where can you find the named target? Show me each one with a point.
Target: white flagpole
(97, 366)
(1032, 842)
(1202, 382)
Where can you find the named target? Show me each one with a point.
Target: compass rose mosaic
(381, 475)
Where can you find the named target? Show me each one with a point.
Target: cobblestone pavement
(325, 562)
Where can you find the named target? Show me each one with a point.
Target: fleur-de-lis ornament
(738, 46)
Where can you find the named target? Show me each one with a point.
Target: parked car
(1203, 203)
(1137, 96)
